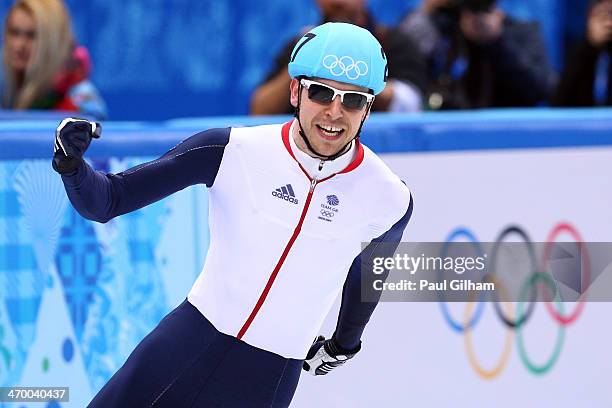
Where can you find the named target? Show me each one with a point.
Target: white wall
(410, 355)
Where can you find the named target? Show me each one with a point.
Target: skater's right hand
(72, 138)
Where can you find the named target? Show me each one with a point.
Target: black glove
(325, 355)
(72, 138)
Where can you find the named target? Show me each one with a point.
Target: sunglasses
(325, 94)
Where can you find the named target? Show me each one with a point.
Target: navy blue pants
(186, 362)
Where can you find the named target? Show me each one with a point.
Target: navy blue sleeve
(99, 196)
(354, 313)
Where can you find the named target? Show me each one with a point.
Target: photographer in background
(478, 57)
(587, 77)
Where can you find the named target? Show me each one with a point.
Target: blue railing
(22, 138)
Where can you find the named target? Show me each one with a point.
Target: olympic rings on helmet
(514, 229)
(345, 65)
(458, 327)
(586, 270)
(469, 348)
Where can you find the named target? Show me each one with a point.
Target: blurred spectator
(43, 68)
(587, 77)
(407, 68)
(478, 57)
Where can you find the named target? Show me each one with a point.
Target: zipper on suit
(279, 264)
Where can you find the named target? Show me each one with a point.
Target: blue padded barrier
(384, 133)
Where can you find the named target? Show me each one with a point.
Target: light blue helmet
(341, 52)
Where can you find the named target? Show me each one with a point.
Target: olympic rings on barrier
(458, 327)
(586, 270)
(469, 348)
(516, 324)
(542, 369)
(513, 229)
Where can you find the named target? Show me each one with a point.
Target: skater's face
(329, 122)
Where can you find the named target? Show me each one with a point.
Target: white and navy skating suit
(287, 236)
